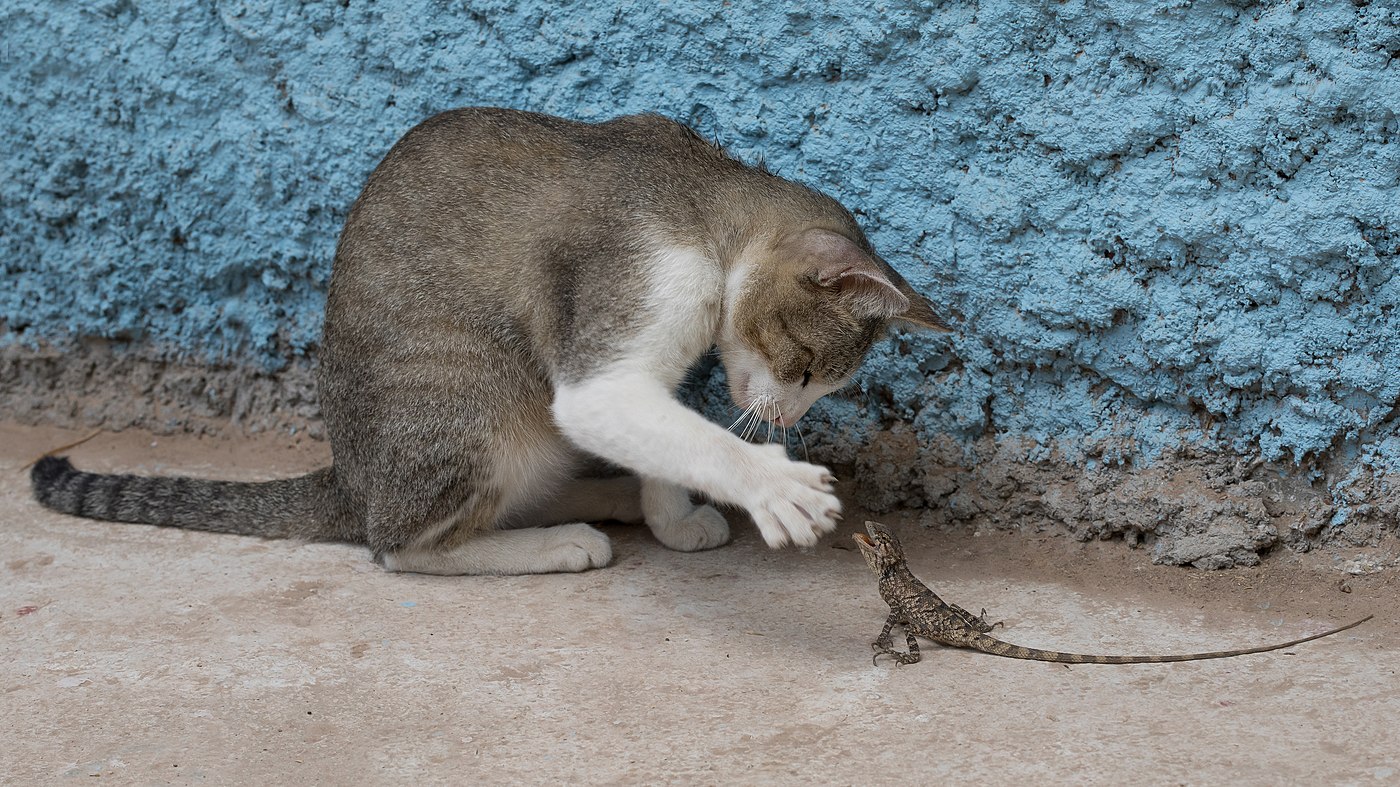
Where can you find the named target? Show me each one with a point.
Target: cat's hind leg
(471, 541)
(531, 550)
(616, 499)
(667, 509)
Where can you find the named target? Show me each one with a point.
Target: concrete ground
(151, 656)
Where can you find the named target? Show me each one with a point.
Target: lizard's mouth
(863, 540)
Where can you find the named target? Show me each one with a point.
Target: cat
(515, 295)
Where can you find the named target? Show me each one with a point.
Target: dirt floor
(152, 656)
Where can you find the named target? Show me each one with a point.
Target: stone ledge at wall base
(97, 384)
(1202, 509)
(1198, 508)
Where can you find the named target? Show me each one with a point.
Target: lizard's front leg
(885, 641)
(884, 644)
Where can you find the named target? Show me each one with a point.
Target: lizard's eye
(806, 377)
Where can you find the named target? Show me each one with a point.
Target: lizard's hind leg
(884, 644)
(977, 623)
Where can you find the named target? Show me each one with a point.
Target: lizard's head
(880, 549)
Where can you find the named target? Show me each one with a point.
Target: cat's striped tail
(302, 508)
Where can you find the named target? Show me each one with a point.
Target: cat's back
(508, 139)
(505, 176)
(519, 224)
(502, 192)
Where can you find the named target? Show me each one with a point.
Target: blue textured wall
(1158, 225)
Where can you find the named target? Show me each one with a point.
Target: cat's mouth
(766, 406)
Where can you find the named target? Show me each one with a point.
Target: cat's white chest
(684, 302)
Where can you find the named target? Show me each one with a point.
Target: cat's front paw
(703, 528)
(795, 503)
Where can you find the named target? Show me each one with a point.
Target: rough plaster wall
(1170, 234)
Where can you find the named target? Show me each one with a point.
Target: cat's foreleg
(631, 419)
(677, 522)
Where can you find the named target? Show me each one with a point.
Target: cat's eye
(806, 377)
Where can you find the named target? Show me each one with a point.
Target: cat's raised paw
(703, 528)
(578, 547)
(796, 505)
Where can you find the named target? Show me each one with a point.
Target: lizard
(923, 614)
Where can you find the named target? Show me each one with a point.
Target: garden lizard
(922, 613)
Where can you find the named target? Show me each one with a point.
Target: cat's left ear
(870, 287)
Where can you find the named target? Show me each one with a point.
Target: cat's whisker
(806, 455)
(763, 402)
(752, 425)
(751, 416)
(749, 428)
(758, 421)
(745, 414)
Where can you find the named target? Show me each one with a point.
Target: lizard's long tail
(995, 646)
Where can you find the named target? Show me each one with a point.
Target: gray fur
(492, 255)
(288, 508)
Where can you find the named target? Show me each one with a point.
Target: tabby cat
(515, 296)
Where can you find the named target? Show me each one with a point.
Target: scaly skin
(923, 614)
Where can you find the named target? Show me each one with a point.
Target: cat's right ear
(921, 314)
(866, 283)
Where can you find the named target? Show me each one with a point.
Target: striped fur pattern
(923, 614)
(287, 508)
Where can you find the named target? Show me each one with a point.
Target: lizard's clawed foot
(884, 646)
(900, 659)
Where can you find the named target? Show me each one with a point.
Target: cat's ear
(865, 290)
(921, 314)
(870, 287)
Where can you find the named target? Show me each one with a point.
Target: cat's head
(802, 312)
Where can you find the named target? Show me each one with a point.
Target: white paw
(577, 547)
(793, 502)
(703, 528)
